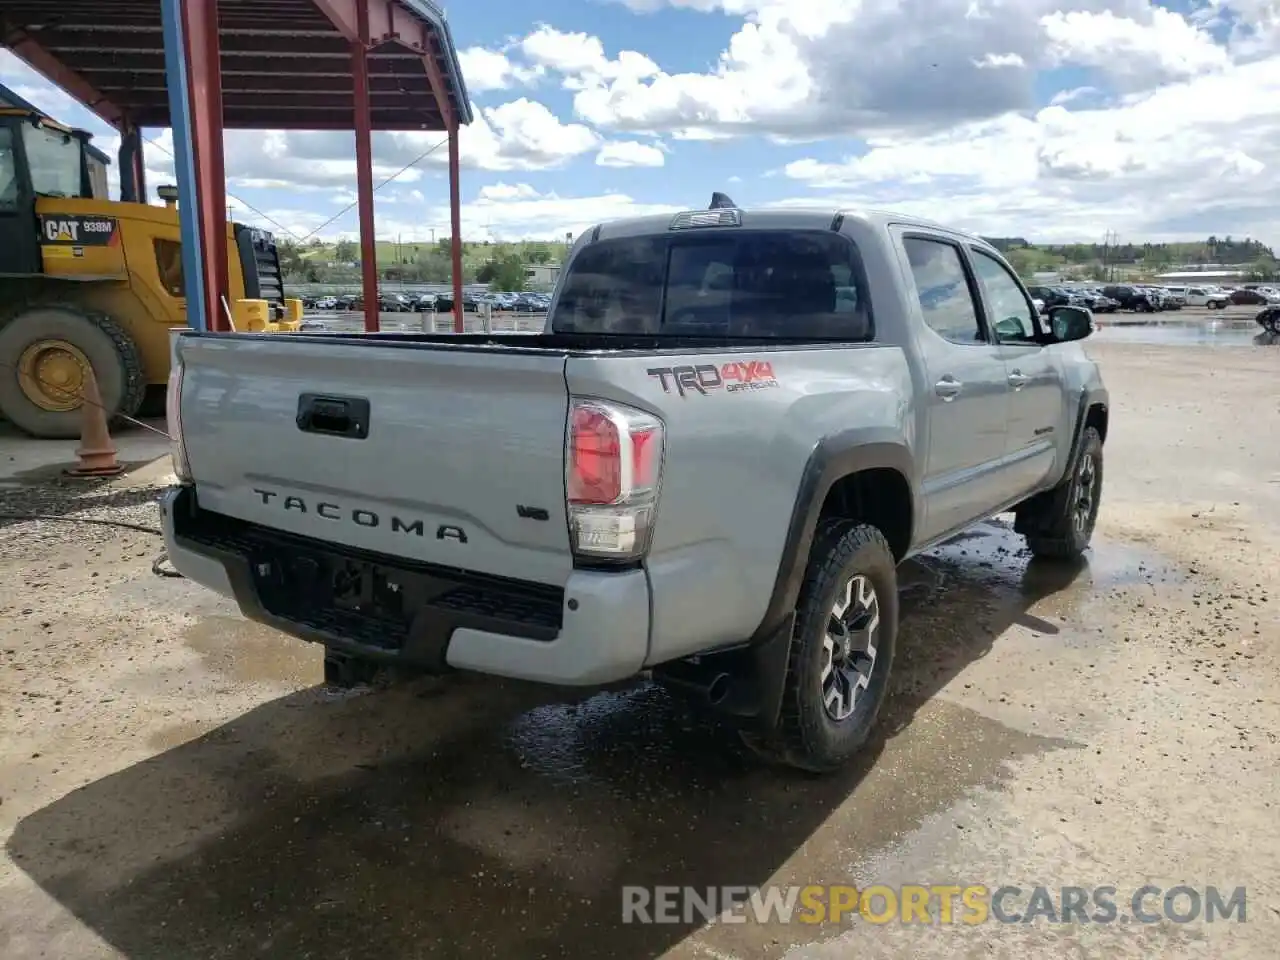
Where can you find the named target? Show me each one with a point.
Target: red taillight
(646, 457)
(595, 457)
(613, 469)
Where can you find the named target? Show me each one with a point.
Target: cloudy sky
(1050, 119)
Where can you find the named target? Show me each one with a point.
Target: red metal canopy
(259, 64)
(286, 64)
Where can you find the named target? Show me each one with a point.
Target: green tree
(1264, 268)
(346, 252)
(291, 261)
(506, 274)
(433, 266)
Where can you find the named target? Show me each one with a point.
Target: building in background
(541, 275)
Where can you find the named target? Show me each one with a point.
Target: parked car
(1209, 297)
(444, 303)
(1174, 298)
(394, 303)
(426, 303)
(1130, 297)
(1056, 296)
(1247, 297)
(777, 605)
(1096, 301)
(1157, 297)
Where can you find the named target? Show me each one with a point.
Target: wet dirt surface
(176, 782)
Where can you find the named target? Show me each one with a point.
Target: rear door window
(749, 284)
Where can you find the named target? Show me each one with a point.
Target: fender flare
(832, 458)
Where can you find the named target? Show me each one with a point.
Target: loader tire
(41, 353)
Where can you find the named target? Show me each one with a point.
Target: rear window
(774, 284)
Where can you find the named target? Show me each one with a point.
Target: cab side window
(942, 288)
(8, 172)
(169, 266)
(1011, 316)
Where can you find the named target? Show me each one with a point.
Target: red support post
(455, 226)
(364, 169)
(204, 72)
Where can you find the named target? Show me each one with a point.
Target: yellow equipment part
(132, 273)
(91, 283)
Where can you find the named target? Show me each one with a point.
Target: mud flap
(757, 676)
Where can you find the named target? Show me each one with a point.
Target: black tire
(117, 367)
(808, 736)
(1060, 526)
(155, 401)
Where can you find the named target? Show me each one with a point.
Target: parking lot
(177, 783)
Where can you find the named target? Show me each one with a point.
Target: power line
(347, 209)
(341, 213)
(249, 205)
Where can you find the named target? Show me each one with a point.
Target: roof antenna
(721, 201)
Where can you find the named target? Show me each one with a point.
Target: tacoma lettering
(359, 516)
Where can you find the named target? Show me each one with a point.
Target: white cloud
(801, 69)
(505, 192)
(486, 70)
(629, 153)
(1159, 46)
(1189, 158)
(499, 212)
(994, 61)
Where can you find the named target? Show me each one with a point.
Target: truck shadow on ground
(491, 819)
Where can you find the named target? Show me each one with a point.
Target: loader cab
(38, 158)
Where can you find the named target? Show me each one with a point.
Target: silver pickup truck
(708, 467)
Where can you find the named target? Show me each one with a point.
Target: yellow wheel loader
(87, 282)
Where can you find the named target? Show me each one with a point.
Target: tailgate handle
(334, 416)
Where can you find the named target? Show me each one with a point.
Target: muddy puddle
(247, 652)
(1181, 333)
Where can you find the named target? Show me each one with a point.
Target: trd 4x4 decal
(733, 377)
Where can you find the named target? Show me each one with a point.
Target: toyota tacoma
(707, 468)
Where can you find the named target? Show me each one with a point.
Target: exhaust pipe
(711, 687)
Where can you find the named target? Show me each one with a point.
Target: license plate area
(353, 598)
(367, 598)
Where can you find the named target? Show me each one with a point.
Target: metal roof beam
(28, 47)
(436, 77)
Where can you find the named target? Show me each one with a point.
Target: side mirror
(1070, 323)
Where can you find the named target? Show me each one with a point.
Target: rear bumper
(594, 631)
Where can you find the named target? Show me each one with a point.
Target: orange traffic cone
(96, 455)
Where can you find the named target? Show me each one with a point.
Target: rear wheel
(44, 356)
(841, 650)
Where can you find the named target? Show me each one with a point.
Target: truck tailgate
(462, 463)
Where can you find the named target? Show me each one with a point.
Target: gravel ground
(175, 782)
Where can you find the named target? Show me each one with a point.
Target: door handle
(1018, 379)
(333, 416)
(948, 388)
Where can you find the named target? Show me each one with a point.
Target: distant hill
(1134, 259)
